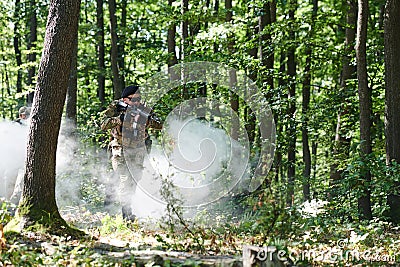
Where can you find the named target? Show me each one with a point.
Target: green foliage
(5, 211)
(114, 225)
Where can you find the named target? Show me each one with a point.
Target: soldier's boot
(108, 200)
(127, 213)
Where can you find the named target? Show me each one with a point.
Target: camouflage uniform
(127, 150)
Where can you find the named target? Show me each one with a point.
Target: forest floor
(114, 242)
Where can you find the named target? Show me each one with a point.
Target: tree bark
(121, 43)
(172, 59)
(266, 50)
(364, 95)
(184, 27)
(252, 33)
(392, 99)
(291, 71)
(70, 110)
(16, 41)
(171, 43)
(114, 50)
(101, 78)
(342, 143)
(185, 35)
(38, 203)
(278, 166)
(216, 11)
(234, 99)
(305, 108)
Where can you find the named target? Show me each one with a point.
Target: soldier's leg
(113, 180)
(126, 184)
(134, 163)
(125, 188)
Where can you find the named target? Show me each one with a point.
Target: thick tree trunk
(392, 98)
(31, 47)
(364, 94)
(114, 50)
(38, 203)
(101, 78)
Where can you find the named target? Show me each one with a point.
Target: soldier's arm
(111, 117)
(109, 123)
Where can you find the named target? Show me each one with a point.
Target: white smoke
(77, 165)
(12, 154)
(194, 156)
(84, 171)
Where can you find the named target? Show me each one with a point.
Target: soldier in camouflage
(128, 120)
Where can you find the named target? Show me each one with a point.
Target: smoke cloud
(83, 170)
(202, 162)
(12, 154)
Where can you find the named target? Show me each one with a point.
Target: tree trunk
(114, 50)
(185, 28)
(171, 43)
(249, 118)
(392, 99)
(216, 10)
(342, 143)
(31, 47)
(38, 203)
(266, 53)
(185, 35)
(16, 39)
(121, 43)
(70, 109)
(172, 59)
(291, 71)
(278, 166)
(234, 99)
(305, 106)
(364, 94)
(101, 78)
(304, 125)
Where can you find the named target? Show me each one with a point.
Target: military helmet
(24, 111)
(130, 90)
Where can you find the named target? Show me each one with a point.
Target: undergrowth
(310, 235)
